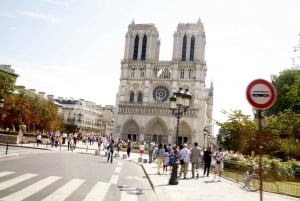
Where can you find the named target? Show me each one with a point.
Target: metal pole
(6, 148)
(173, 180)
(260, 150)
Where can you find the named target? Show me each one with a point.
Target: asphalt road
(70, 176)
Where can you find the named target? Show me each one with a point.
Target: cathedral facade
(146, 84)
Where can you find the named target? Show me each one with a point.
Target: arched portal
(156, 131)
(184, 133)
(131, 131)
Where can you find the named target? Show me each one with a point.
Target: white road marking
(114, 179)
(117, 170)
(63, 192)
(5, 173)
(30, 190)
(98, 192)
(15, 181)
(128, 194)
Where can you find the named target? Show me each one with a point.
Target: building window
(131, 98)
(132, 72)
(183, 57)
(142, 69)
(192, 50)
(144, 48)
(140, 97)
(181, 76)
(191, 73)
(136, 47)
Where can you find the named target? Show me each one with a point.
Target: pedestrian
(110, 150)
(70, 141)
(184, 157)
(207, 161)
(219, 156)
(166, 162)
(150, 152)
(160, 157)
(142, 149)
(128, 148)
(38, 139)
(171, 159)
(195, 159)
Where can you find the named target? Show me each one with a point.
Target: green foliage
(238, 133)
(32, 110)
(287, 86)
(7, 84)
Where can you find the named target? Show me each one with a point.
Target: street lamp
(205, 131)
(179, 103)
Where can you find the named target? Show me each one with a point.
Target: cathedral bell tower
(146, 84)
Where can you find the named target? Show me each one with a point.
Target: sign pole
(261, 94)
(260, 152)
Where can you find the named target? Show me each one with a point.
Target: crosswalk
(97, 191)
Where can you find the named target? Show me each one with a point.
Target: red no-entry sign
(261, 94)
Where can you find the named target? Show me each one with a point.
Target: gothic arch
(156, 130)
(131, 130)
(185, 133)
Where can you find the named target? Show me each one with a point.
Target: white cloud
(39, 16)
(59, 2)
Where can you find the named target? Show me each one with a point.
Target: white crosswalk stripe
(30, 190)
(97, 192)
(15, 180)
(64, 191)
(5, 173)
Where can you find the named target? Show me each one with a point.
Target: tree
(287, 86)
(238, 133)
(31, 109)
(7, 84)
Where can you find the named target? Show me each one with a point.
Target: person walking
(184, 156)
(38, 139)
(195, 159)
(128, 148)
(166, 162)
(111, 148)
(207, 161)
(150, 153)
(142, 149)
(219, 156)
(160, 157)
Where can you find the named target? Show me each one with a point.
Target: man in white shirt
(219, 156)
(184, 156)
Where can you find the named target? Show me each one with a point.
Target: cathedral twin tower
(146, 84)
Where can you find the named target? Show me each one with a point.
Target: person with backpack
(219, 156)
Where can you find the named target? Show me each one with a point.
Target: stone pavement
(201, 189)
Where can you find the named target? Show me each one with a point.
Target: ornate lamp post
(179, 103)
(205, 131)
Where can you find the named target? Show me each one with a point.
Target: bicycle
(251, 180)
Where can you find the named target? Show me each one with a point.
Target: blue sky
(73, 48)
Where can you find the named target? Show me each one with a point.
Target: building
(87, 116)
(146, 84)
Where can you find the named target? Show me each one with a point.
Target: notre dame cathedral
(142, 105)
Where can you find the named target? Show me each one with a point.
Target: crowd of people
(165, 155)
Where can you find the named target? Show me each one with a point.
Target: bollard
(6, 148)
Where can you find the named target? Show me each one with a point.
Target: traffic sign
(261, 94)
